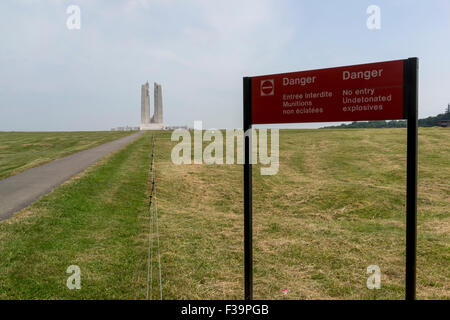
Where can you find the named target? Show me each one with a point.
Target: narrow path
(21, 190)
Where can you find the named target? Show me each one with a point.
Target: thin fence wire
(153, 222)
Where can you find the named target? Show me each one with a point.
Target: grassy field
(24, 150)
(336, 206)
(96, 221)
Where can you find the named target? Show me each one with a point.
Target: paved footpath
(22, 189)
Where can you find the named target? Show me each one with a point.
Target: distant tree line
(427, 122)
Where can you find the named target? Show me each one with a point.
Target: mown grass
(24, 150)
(336, 206)
(97, 221)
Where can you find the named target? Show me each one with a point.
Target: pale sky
(52, 78)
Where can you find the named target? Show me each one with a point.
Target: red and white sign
(267, 87)
(354, 93)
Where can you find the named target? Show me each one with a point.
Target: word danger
(346, 75)
(366, 75)
(298, 81)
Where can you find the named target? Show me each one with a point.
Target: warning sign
(354, 93)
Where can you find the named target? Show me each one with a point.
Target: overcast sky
(52, 78)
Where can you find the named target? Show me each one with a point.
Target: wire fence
(153, 231)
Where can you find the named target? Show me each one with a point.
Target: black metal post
(411, 82)
(248, 233)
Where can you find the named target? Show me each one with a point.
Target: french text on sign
(352, 93)
(298, 81)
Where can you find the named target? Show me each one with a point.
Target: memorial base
(152, 126)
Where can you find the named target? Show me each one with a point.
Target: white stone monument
(155, 122)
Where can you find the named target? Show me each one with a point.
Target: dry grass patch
(335, 207)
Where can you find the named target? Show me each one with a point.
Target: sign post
(411, 80)
(248, 233)
(375, 91)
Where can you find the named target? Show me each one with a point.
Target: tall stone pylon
(158, 115)
(145, 104)
(156, 121)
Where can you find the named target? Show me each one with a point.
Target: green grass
(336, 206)
(97, 221)
(24, 150)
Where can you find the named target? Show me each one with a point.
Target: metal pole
(248, 234)
(411, 103)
